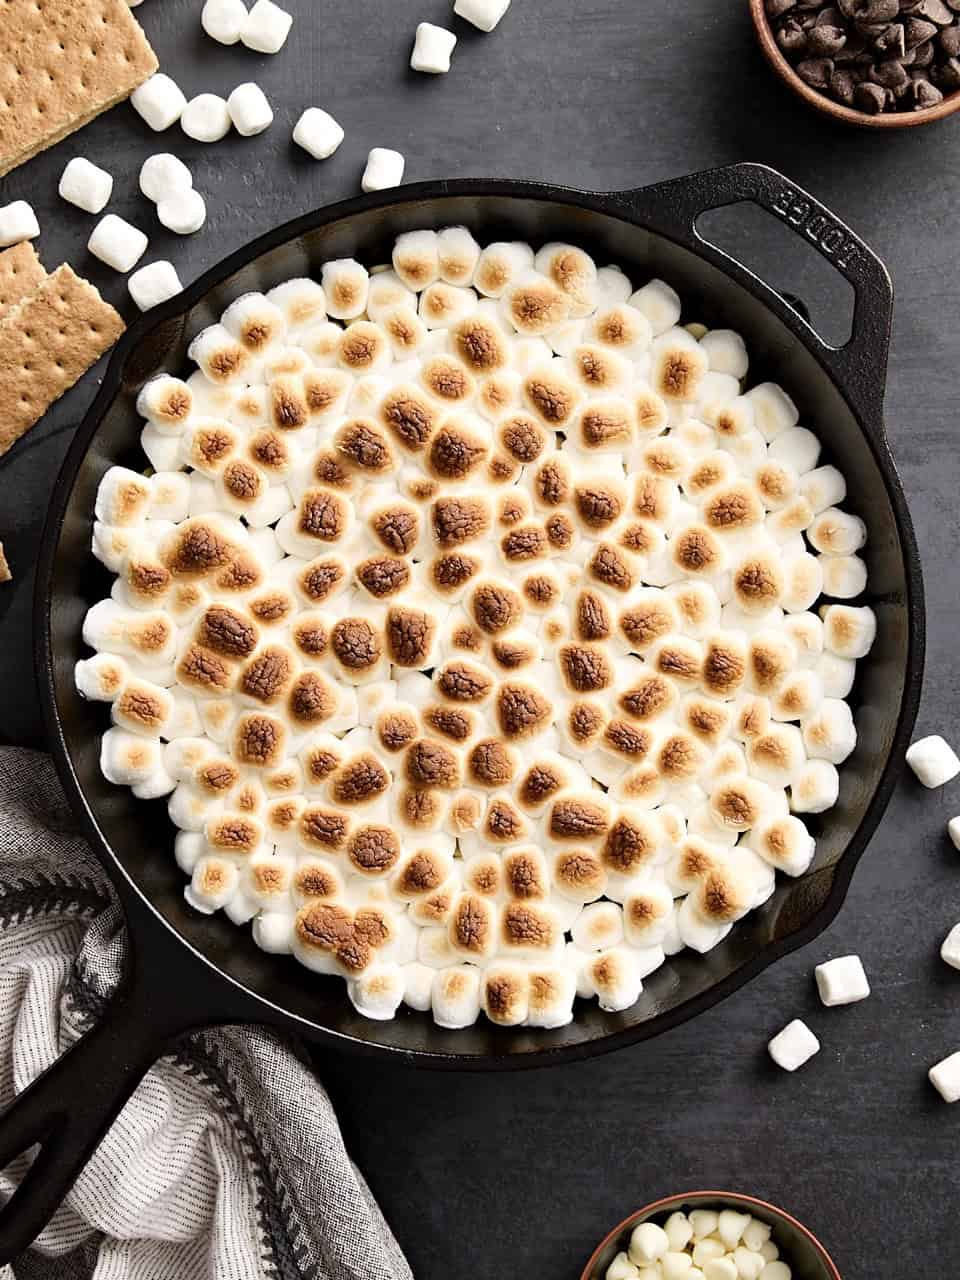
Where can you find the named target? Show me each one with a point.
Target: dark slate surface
(521, 1174)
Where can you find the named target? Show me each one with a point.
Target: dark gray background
(522, 1174)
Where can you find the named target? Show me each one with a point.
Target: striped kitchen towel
(228, 1161)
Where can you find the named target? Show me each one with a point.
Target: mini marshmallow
(378, 992)
(849, 632)
(159, 102)
(224, 20)
(484, 14)
(431, 51)
(86, 185)
(499, 265)
(659, 303)
(384, 168)
(345, 285)
(213, 884)
(785, 843)
(949, 952)
(318, 133)
(206, 118)
(154, 284)
(843, 576)
(266, 28)
(830, 733)
(837, 533)
(183, 213)
(842, 981)
(795, 1045)
(102, 677)
(773, 410)
(455, 997)
(726, 352)
(933, 761)
(127, 758)
(457, 255)
(945, 1078)
(250, 112)
(117, 243)
(822, 488)
(163, 176)
(815, 788)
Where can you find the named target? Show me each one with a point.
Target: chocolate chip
(950, 41)
(924, 94)
(792, 38)
(949, 74)
(824, 42)
(842, 85)
(777, 7)
(936, 11)
(893, 42)
(816, 72)
(870, 97)
(869, 11)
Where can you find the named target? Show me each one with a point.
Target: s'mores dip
(488, 632)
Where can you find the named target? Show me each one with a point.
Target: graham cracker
(62, 62)
(21, 271)
(48, 341)
(5, 574)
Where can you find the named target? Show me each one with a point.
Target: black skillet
(185, 971)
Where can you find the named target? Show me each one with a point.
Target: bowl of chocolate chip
(882, 64)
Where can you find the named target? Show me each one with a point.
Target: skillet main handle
(860, 365)
(67, 1110)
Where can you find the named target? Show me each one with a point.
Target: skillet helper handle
(860, 364)
(67, 1110)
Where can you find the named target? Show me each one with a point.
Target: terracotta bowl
(887, 120)
(804, 1253)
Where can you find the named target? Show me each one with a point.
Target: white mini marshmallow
(164, 175)
(953, 830)
(843, 576)
(795, 1045)
(726, 352)
(384, 169)
(127, 758)
(830, 734)
(659, 303)
(432, 49)
(163, 451)
(456, 996)
(824, 487)
(484, 14)
(815, 788)
(457, 255)
(213, 884)
(378, 992)
(266, 28)
(249, 109)
(797, 448)
(117, 243)
(123, 497)
(345, 284)
(933, 761)
(86, 185)
(847, 631)
(101, 677)
(773, 410)
(154, 284)
(17, 222)
(842, 981)
(837, 533)
(183, 213)
(224, 20)
(206, 118)
(159, 102)
(273, 932)
(499, 265)
(945, 1078)
(318, 133)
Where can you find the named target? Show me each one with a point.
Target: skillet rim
(139, 910)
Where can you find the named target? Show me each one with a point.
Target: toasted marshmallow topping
(475, 605)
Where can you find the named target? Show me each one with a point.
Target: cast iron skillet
(184, 971)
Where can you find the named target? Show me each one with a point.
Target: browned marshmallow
(522, 710)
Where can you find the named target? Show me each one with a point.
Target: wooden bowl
(830, 107)
(800, 1248)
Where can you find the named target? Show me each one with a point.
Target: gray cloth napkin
(228, 1161)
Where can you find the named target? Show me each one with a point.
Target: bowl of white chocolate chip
(503, 621)
(711, 1235)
